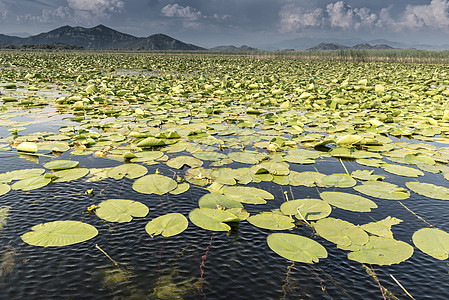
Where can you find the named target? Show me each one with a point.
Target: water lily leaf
(348, 201)
(4, 188)
(338, 180)
(198, 176)
(383, 190)
(154, 184)
(245, 157)
(181, 188)
(296, 248)
(239, 212)
(310, 209)
(180, 161)
(429, 190)
(167, 225)
(31, 183)
(274, 168)
(27, 147)
(212, 219)
(303, 152)
(214, 200)
(366, 175)
(382, 228)
(309, 179)
(97, 174)
(419, 159)
(151, 142)
(402, 170)
(433, 242)
(349, 139)
(224, 176)
(121, 210)
(20, 174)
(248, 195)
(70, 174)
(207, 155)
(382, 251)
(272, 221)
(61, 164)
(340, 232)
(59, 233)
(130, 171)
(374, 163)
(145, 156)
(298, 159)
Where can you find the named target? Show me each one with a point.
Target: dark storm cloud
(209, 21)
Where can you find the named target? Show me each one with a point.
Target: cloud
(341, 15)
(3, 10)
(294, 18)
(176, 10)
(435, 15)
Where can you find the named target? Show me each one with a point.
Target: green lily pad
(207, 155)
(310, 209)
(272, 221)
(180, 161)
(70, 174)
(145, 156)
(429, 190)
(349, 139)
(4, 188)
(296, 248)
(248, 195)
(339, 180)
(383, 190)
(340, 232)
(382, 251)
(213, 200)
(245, 157)
(151, 142)
(181, 188)
(167, 225)
(298, 159)
(27, 147)
(61, 164)
(154, 184)
(374, 163)
(59, 233)
(348, 201)
(121, 210)
(309, 179)
(274, 168)
(402, 170)
(433, 242)
(20, 174)
(381, 228)
(130, 171)
(212, 219)
(365, 175)
(31, 183)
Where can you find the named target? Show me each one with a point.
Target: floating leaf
(167, 225)
(224, 176)
(340, 232)
(212, 219)
(309, 179)
(274, 168)
(213, 200)
(130, 171)
(296, 248)
(433, 242)
(70, 174)
(248, 195)
(382, 228)
(121, 210)
(59, 233)
(298, 159)
(180, 161)
(429, 190)
(4, 188)
(310, 209)
(27, 147)
(207, 155)
(402, 170)
(339, 180)
(61, 164)
(383, 190)
(348, 201)
(145, 156)
(20, 174)
(32, 183)
(181, 188)
(382, 251)
(250, 158)
(374, 163)
(366, 175)
(349, 139)
(151, 142)
(154, 184)
(272, 221)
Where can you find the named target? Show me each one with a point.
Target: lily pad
(383, 190)
(32, 183)
(61, 164)
(245, 157)
(339, 180)
(20, 174)
(180, 161)
(212, 219)
(296, 248)
(248, 195)
(154, 184)
(213, 200)
(59, 233)
(348, 201)
(381, 228)
(309, 179)
(433, 242)
(181, 188)
(167, 225)
(207, 155)
(130, 171)
(121, 210)
(310, 209)
(340, 232)
(70, 174)
(402, 170)
(272, 221)
(429, 190)
(4, 188)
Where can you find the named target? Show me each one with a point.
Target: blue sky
(256, 23)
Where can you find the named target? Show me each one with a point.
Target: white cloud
(340, 15)
(176, 10)
(99, 8)
(434, 15)
(294, 18)
(3, 10)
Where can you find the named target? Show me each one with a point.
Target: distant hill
(99, 37)
(335, 46)
(233, 48)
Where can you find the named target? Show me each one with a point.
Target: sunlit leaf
(348, 201)
(213, 200)
(309, 209)
(296, 248)
(31, 183)
(272, 221)
(167, 225)
(338, 180)
(340, 232)
(429, 190)
(212, 219)
(433, 242)
(130, 171)
(121, 210)
(383, 190)
(61, 164)
(402, 170)
(382, 228)
(70, 174)
(154, 184)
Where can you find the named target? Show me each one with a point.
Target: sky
(257, 23)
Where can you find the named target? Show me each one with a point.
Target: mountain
(99, 37)
(233, 48)
(363, 46)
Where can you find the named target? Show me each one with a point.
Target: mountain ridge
(362, 46)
